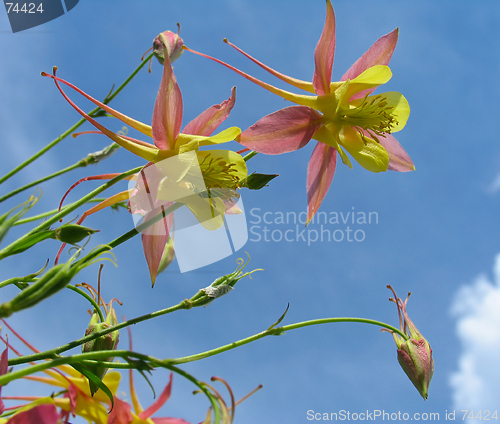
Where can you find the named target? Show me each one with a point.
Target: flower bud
(73, 233)
(107, 342)
(172, 42)
(414, 353)
(55, 279)
(221, 285)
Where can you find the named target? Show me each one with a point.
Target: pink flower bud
(414, 353)
(172, 42)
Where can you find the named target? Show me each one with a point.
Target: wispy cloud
(495, 185)
(476, 383)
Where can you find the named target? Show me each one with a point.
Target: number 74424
(25, 8)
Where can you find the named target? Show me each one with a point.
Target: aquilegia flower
(221, 170)
(342, 116)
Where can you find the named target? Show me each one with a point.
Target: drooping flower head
(343, 116)
(414, 354)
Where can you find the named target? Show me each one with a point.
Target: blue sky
(437, 228)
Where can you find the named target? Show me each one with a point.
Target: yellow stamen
(373, 116)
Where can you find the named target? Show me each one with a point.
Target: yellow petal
(228, 156)
(324, 134)
(401, 108)
(368, 153)
(228, 134)
(372, 77)
(208, 212)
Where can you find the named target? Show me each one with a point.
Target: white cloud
(495, 185)
(476, 384)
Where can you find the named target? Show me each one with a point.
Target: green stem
(246, 158)
(46, 224)
(89, 298)
(278, 331)
(52, 212)
(67, 360)
(184, 305)
(41, 180)
(54, 352)
(92, 356)
(74, 127)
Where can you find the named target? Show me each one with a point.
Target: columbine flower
(414, 354)
(220, 169)
(340, 115)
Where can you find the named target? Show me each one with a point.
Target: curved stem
(93, 356)
(74, 127)
(278, 331)
(184, 305)
(89, 298)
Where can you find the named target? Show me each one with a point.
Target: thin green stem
(185, 305)
(41, 180)
(54, 352)
(89, 298)
(44, 225)
(52, 212)
(57, 361)
(246, 158)
(96, 356)
(74, 127)
(280, 330)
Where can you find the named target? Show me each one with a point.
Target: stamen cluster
(372, 116)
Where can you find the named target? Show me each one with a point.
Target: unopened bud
(73, 233)
(170, 41)
(107, 342)
(221, 285)
(55, 279)
(414, 353)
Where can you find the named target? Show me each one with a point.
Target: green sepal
(257, 181)
(73, 233)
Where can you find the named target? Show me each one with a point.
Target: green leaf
(257, 181)
(96, 380)
(280, 319)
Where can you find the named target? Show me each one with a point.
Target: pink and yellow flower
(342, 116)
(221, 169)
